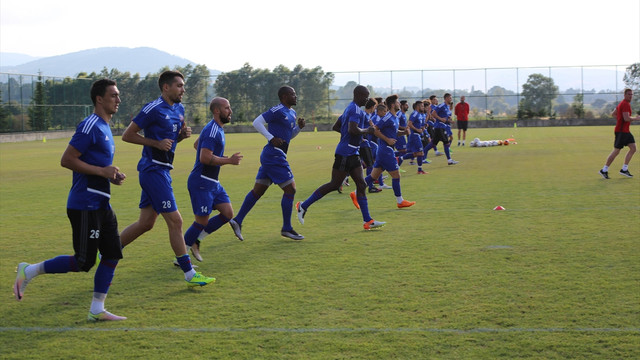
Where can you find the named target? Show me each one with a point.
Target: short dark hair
(99, 88)
(390, 100)
(402, 102)
(432, 97)
(284, 90)
(168, 77)
(370, 103)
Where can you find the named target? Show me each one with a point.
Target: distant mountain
(142, 60)
(13, 59)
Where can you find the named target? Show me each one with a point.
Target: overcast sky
(338, 35)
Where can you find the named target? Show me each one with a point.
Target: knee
(146, 224)
(174, 221)
(226, 215)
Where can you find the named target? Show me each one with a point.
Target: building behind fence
(493, 94)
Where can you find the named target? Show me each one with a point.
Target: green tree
(196, 99)
(578, 106)
(632, 80)
(5, 124)
(538, 93)
(498, 101)
(251, 91)
(39, 111)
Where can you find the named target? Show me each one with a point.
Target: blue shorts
(415, 143)
(204, 197)
(386, 159)
(274, 167)
(374, 148)
(157, 191)
(401, 143)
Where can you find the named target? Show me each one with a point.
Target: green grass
(556, 275)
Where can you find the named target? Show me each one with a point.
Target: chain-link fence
(586, 92)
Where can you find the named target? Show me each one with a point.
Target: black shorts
(347, 164)
(430, 131)
(94, 230)
(623, 139)
(366, 155)
(463, 125)
(439, 134)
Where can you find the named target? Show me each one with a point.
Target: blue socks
(61, 264)
(311, 199)
(191, 235)
(185, 262)
(104, 275)
(287, 208)
(364, 208)
(249, 201)
(395, 183)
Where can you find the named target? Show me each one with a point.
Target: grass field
(556, 275)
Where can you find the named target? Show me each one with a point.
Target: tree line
(56, 104)
(61, 104)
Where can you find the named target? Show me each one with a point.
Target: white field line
(324, 330)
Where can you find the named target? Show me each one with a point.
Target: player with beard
(401, 140)
(417, 125)
(164, 126)
(442, 113)
(94, 225)
(204, 186)
(386, 131)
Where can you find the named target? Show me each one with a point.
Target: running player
(416, 124)
(95, 227)
(347, 160)
(204, 187)
(163, 123)
(623, 136)
(387, 130)
(441, 113)
(284, 125)
(401, 140)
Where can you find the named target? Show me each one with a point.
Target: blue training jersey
(402, 119)
(212, 138)
(93, 139)
(388, 126)
(364, 124)
(444, 112)
(417, 119)
(349, 144)
(281, 122)
(160, 121)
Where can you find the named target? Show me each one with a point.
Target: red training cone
(498, 208)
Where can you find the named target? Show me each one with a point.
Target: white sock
(97, 303)
(34, 270)
(203, 234)
(189, 274)
(625, 167)
(605, 168)
(399, 199)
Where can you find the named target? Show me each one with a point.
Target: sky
(337, 35)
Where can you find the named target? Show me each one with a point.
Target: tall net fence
(586, 92)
